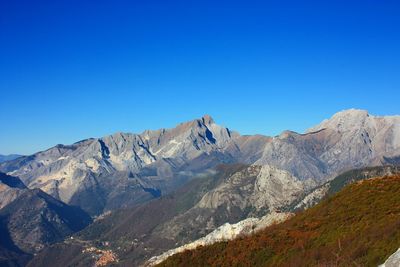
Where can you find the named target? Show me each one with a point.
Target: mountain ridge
(113, 171)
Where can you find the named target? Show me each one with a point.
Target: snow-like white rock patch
(393, 260)
(224, 233)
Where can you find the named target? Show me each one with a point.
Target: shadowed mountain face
(31, 219)
(35, 219)
(10, 188)
(11, 181)
(125, 169)
(10, 254)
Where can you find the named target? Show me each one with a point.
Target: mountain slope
(303, 202)
(10, 188)
(35, 219)
(335, 185)
(339, 231)
(10, 254)
(31, 219)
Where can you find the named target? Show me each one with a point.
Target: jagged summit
(207, 119)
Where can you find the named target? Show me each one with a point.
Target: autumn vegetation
(359, 226)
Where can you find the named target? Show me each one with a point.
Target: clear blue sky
(71, 70)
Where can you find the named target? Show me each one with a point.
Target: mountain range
(151, 192)
(124, 169)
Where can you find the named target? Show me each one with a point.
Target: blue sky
(71, 70)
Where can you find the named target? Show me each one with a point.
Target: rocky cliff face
(251, 192)
(259, 188)
(364, 139)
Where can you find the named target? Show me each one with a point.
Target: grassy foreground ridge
(359, 226)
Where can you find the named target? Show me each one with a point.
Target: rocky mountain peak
(203, 122)
(344, 120)
(204, 128)
(207, 119)
(35, 219)
(353, 120)
(352, 112)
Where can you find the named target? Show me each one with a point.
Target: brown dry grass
(359, 226)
